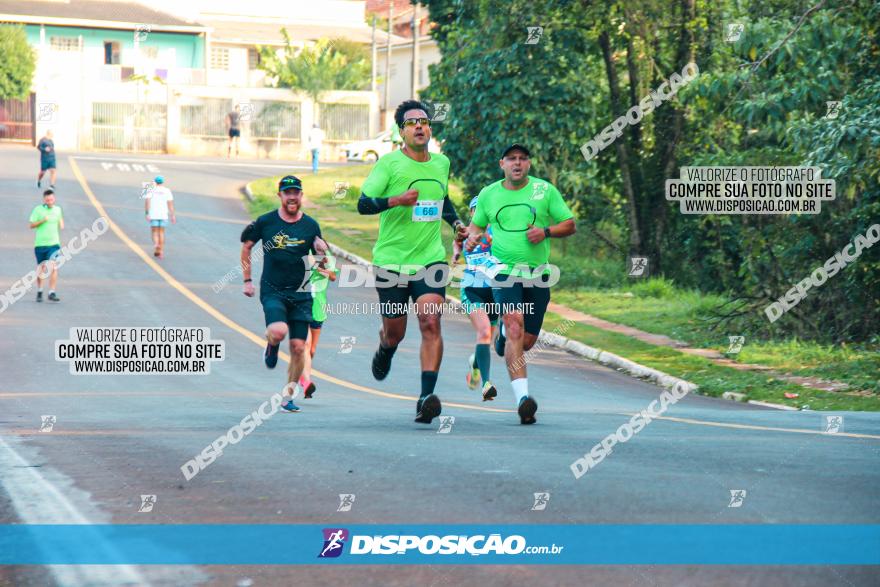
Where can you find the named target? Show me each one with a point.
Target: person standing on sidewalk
(315, 143)
(233, 129)
(47, 220)
(159, 207)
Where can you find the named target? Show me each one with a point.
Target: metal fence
(269, 124)
(344, 122)
(271, 120)
(129, 127)
(17, 120)
(207, 119)
(266, 120)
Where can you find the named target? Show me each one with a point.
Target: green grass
(599, 286)
(658, 307)
(712, 379)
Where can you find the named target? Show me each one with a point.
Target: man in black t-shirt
(46, 146)
(288, 236)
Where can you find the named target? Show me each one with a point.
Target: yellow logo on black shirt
(282, 241)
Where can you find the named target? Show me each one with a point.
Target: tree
(758, 101)
(503, 90)
(17, 64)
(327, 65)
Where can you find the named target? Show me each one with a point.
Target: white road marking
(136, 167)
(38, 501)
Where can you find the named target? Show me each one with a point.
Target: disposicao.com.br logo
(430, 544)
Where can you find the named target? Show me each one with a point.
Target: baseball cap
(513, 147)
(289, 182)
(160, 179)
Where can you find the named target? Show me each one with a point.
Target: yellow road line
(260, 341)
(756, 427)
(219, 316)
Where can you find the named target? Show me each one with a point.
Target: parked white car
(370, 150)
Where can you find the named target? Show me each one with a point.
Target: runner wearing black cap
(288, 236)
(525, 212)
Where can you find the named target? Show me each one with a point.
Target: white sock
(39, 290)
(520, 388)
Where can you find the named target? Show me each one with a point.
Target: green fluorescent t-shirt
(46, 233)
(409, 235)
(319, 290)
(510, 212)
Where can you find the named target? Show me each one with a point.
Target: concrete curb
(556, 340)
(772, 405)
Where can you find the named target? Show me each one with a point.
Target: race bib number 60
(427, 210)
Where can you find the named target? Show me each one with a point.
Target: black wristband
(248, 280)
(547, 232)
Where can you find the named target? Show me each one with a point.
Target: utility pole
(373, 50)
(387, 82)
(415, 52)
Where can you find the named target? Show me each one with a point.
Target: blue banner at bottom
(279, 544)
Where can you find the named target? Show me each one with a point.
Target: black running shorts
(297, 314)
(513, 294)
(395, 299)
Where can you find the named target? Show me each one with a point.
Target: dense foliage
(17, 63)
(336, 64)
(759, 100)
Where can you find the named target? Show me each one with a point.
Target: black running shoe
(427, 409)
(499, 343)
(489, 392)
(310, 390)
(526, 410)
(53, 297)
(270, 355)
(39, 296)
(381, 365)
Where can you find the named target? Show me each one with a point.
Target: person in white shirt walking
(159, 208)
(315, 142)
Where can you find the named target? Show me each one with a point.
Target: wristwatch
(547, 232)
(248, 280)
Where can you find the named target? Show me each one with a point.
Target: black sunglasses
(415, 121)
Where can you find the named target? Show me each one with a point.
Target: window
(64, 43)
(111, 53)
(219, 58)
(253, 59)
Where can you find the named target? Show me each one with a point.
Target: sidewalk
(709, 354)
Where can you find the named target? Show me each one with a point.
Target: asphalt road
(118, 437)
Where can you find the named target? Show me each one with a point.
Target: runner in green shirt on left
(47, 221)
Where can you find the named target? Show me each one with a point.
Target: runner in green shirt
(408, 188)
(323, 272)
(47, 220)
(525, 212)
